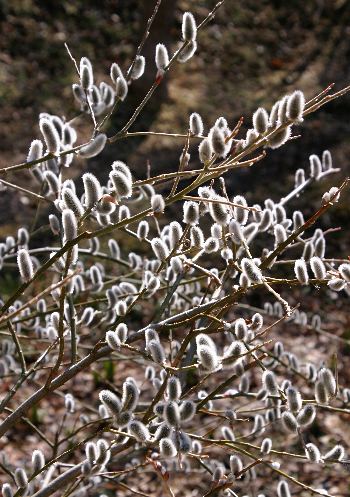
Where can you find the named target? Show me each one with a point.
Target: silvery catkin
(50, 135)
(93, 148)
(189, 28)
(25, 265)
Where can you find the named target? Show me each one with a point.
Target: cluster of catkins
(213, 395)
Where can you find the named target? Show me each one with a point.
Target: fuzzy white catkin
(315, 166)
(157, 351)
(21, 478)
(50, 135)
(240, 213)
(312, 453)
(139, 431)
(157, 203)
(344, 270)
(142, 230)
(112, 340)
(71, 201)
(207, 357)
(219, 211)
(6, 490)
(196, 124)
(327, 377)
(35, 151)
(251, 270)
(266, 446)
(172, 413)
(25, 265)
(130, 395)
(86, 73)
(318, 268)
(110, 401)
(300, 270)
(174, 388)
(138, 68)
(205, 150)
(167, 447)
(160, 249)
(187, 52)
(121, 88)
(337, 453)
(70, 225)
(92, 190)
(279, 138)
(283, 489)
(122, 184)
(295, 106)
(191, 212)
(260, 120)
(236, 464)
(307, 415)
(217, 140)
(294, 399)
(326, 160)
(93, 148)
(38, 460)
(187, 410)
(269, 382)
(189, 28)
(289, 422)
(162, 57)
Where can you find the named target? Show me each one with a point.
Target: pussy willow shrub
(201, 390)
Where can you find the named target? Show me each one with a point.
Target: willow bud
(300, 271)
(205, 150)
(50, 134)
(251, 271)
(295, 106)
(139, 431)
(260, 120)
(138, 67)
(25, 265)
(307, 415)
(196, 124)
(162, 57)
(167, 447)
(38, 460)
(289, 422)
(94, 147)
(189, 28)
(110, 401)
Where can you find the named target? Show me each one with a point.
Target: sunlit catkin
(25, 265)
(93, 148)
(307, 415)
(70, 225)
(196, 124)
(300, 270)
(167, 447)
(189, 28)
(38, 460)
(251, 270)
(138, 67)
(205, 150)
(50, 135)
(327, 377)
(162, 57)
(295, 106)
(260, 120)
(110, 401)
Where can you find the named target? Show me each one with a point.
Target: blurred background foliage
(250, 55)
